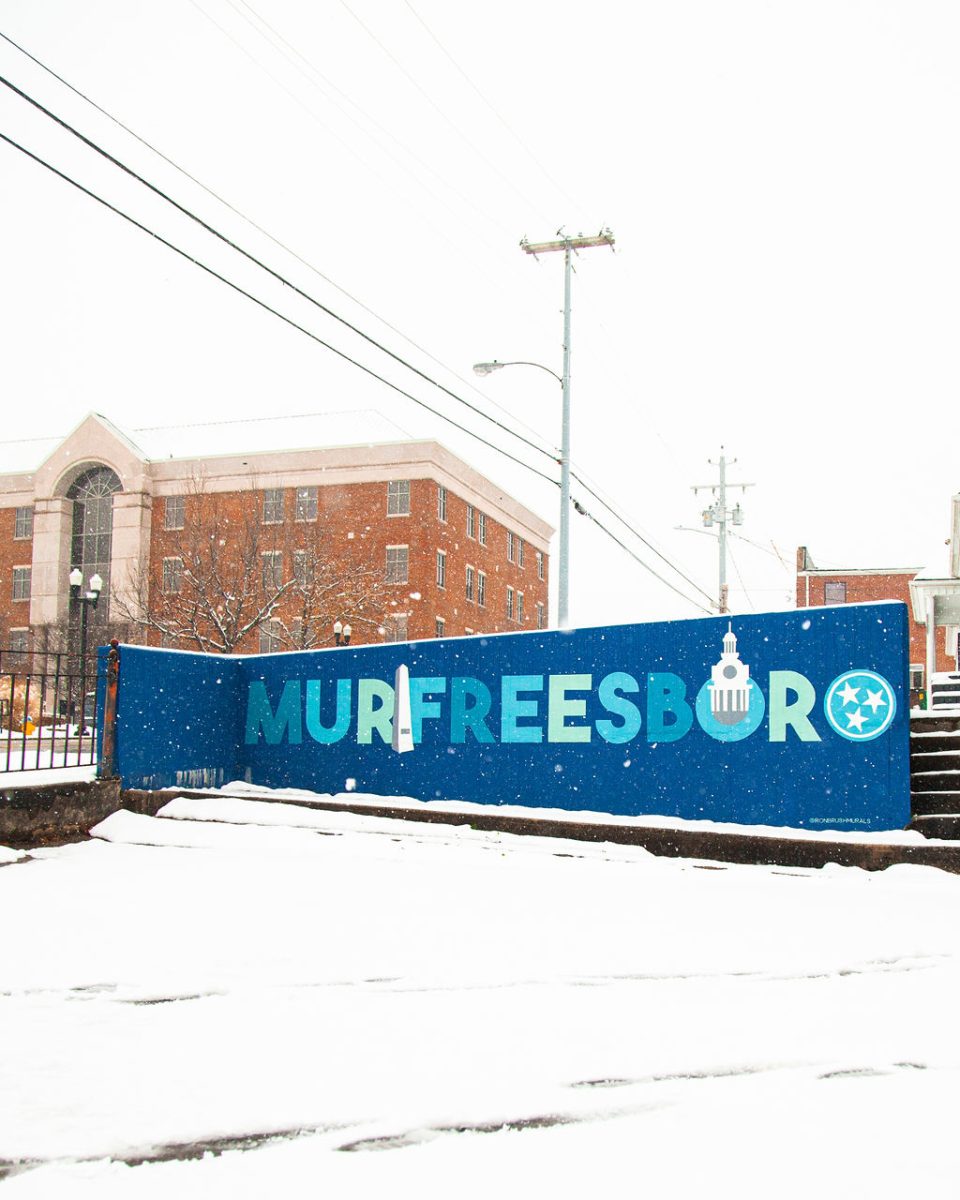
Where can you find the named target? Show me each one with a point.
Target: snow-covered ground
(34, 770)
(248, 1000)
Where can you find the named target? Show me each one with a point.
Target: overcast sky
(781, 179)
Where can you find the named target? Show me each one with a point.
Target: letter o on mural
(860, 705)
(734, 726)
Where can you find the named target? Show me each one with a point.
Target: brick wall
(353, 526)
(818, 586)
(14, 552)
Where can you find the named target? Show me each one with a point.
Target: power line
(269, 270)
(503, 121)
(646, 566)
(441, 111)
(626, 524)
(424, 166)
(743, 586)
(268, 308)
(313, 73)
(280, 278)
(320, 341)
(248, 220)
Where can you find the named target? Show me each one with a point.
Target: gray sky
(781, 179)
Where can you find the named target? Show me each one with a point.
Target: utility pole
(718, 514)
(569, 246)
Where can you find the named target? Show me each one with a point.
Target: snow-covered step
(934, 804)
(935, 781)
(927, 723)
(932, 753)
(945, 691)
(946, 827)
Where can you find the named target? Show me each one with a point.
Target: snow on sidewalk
(487, 1012)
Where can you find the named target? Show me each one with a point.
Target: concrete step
(945, 827)
(935, 781)
(934, 740)
(939, 760)
(924, 724)
(934, 804)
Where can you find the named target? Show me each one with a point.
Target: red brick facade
(404, 540)
(353, 526)
(16, 556)
(818, 586)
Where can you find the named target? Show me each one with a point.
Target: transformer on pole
(717, 514)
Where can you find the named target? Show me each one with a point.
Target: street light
(341, 633)
(86, 599)
(563, 575)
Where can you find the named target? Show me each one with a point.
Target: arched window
(92, 494)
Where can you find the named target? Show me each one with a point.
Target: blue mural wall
(796, 718)
(179, 718)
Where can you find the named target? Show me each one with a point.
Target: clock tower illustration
(730, 684)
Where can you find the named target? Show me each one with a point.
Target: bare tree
(235, 568)
(325, 589)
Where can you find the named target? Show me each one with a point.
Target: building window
(172, 576)
(834, 593)
(270, 637)
(471, 521)
(519, 552)
(520, 608)
(441, 568)
(471, 576)
(511, 553)
(481, 589)
(438, 627)
(916, 676)
(395, 629)
(441, 503)
(23, 522)
(91, 540)
(306, 505)
(539, 564)
(303, 568)
(397, 564)
(482, 528)
(509, 603)
(21, 583)
(273, 506)
(18, 643)
(398, 498)
(173, 512)
(272, 570)
(541, 616)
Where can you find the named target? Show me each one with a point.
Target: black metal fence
(48, 710)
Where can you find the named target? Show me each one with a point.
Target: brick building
(402, 540)
(817, 586)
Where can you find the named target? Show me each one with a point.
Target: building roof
(208, 439)
(356, 446)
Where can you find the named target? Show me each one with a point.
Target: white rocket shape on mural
(730, 684)
(402, 722)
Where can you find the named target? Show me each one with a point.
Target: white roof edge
(858, 570)
(458, 474)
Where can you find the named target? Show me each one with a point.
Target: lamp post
(341, 633)
(86, 599)
(563, 574)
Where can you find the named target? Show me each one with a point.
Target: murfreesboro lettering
(518, 709)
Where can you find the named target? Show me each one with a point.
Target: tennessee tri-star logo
(860, 705)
